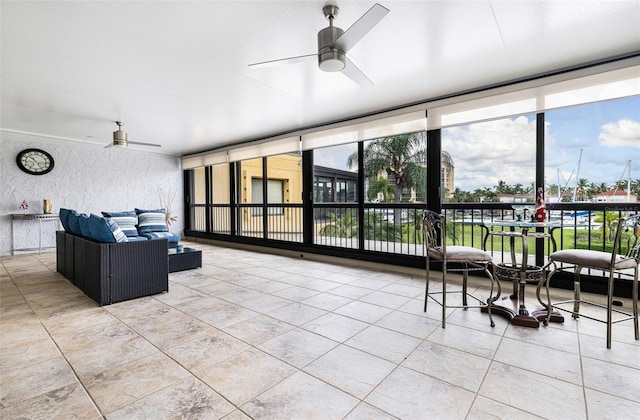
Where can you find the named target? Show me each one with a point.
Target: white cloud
(485, 153)
(621, 133)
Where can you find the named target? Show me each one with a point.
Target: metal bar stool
(621, 261)
(453, 258)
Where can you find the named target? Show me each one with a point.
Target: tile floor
(262, 336)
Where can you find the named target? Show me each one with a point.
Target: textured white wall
(86, 177)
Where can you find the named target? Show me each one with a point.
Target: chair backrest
(627, 240)
(433, 225)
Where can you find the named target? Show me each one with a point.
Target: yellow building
(284, 186)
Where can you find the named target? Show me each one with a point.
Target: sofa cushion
(74, 223)
(136, 238)
(172, 237)
(118, 234)
(127, 220)
(105, 230)
(151, 221)
(64, 219)
(83, 223)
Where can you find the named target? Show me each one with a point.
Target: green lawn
(565, 239)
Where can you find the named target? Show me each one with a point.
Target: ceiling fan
(334, 43)
(120, 138)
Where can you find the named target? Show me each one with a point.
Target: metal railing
(395, 228)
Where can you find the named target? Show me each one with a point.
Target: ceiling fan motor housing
(330, 59)
(119, 136)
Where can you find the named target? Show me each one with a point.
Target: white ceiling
(176, 72)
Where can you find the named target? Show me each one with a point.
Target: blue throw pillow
(105, 230)
(151, 221)
(74, 222)
(64, 219)
(83, 223)
(127, 220)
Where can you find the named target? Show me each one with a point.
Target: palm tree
(608, 225)
(603, 187)
(381, 185)
(581, 187)
(490, 195)
(378, 229)
(460, 196)
(503, 188)
(345, 226)
(401, 158)
(412, 230)
(635, 186)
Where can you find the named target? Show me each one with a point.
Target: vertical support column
(265, 198)
(208, 198)
(539, 180)
(307, 197)
(235, 182)
(360, 195)
(434, 187)
(187, 188)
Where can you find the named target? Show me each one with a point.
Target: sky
(608, 133)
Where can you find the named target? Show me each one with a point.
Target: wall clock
(35, 161)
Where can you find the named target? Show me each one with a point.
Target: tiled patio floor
(255, 335)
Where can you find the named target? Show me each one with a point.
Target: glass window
(395, 168)
(323, 189)
(199, 201)
(275, 194)
(335, 193)
(249, 219)
(284, 188)
(220, 199)
(592, 152)
(335, 174)
(491, 161)
(395, 179)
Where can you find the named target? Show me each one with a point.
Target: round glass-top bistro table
(520, 273)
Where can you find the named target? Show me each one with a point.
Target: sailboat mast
(629, 181)
(577, 177)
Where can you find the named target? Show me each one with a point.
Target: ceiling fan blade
(358, 30)
(144, 144)
(108, 145)
(289, 60)
(354, 73)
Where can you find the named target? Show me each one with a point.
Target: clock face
(35, 161)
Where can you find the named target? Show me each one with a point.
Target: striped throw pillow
(151, 221)
(127, 220)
